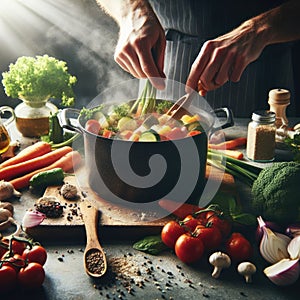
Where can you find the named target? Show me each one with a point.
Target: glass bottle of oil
(4, 136)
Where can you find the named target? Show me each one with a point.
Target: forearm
(122, 10)
(278, 25)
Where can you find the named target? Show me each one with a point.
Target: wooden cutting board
(114, 221)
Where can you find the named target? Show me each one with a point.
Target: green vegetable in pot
(35, 79)
(276, 192)
(47, 178)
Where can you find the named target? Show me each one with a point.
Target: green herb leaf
(244, 218)
(150, 244)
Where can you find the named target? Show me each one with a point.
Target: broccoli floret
(276, 192)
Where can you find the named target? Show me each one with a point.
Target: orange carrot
(66, 162)
(231, 144)
(180, 211)
(232, 153)
(28, 166)
(32, 151)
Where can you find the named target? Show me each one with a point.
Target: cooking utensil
(94, 257)
(176, 110)
(106, 159)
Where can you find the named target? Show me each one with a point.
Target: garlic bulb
(7, 190)
(283, 273)
(273, 245)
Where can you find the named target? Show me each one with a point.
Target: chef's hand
(141, 46)
(225, 58)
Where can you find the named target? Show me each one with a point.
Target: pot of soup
(140, 158)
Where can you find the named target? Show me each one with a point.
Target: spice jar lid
(263, 116)
(279, 96)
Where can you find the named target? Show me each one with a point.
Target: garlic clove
(7, 190)
(283, 273)
(294, 248)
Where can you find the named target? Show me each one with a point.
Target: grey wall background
(76, 31)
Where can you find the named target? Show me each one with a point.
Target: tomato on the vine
(223, 224)
(190, 222)
(18, 247)
(238, 247)
(211, 236)
(171, 232)
(3, 249)
(32, 276)
(188, 248)
(8, 278)
(36, 254)
(16, 261)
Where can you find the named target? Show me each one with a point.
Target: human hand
(141, 47)
(225, 58)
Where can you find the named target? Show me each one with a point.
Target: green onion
(239, 169)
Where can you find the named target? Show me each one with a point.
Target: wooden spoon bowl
(94, 257)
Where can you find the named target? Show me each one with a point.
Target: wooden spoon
(94, 257)
(175, 110)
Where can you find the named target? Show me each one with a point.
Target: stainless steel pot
(142, 172)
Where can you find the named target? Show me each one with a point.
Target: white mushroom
(220, 261)
(246, 269)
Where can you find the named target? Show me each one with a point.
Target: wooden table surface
(136, 275)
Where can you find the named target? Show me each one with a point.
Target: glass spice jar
(261, 136)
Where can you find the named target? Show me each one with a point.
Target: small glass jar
(32, 118)
(261, 136)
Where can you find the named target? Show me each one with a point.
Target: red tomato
(190, 222)
(32, 276)
(223, 224)
(189, 249)
(3, 249)
(36, 254)
(8, 278)
(210, 236)
(18, 247)
(238, 247)
(16, 261)
(171, 232)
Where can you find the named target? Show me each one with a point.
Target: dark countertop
(136, 275)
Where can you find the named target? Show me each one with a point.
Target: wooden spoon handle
(90, 218)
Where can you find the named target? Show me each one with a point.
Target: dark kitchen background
(78, 32)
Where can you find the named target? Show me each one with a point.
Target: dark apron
(188, 24)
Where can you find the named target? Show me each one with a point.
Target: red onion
(283, 273)
(271, 225)
(293, 230)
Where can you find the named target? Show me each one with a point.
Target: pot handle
(64, 119)
(229, 118)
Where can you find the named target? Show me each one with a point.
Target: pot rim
(209, 117)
